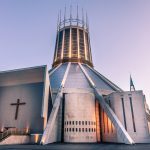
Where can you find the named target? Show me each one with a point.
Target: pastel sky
(119, 31)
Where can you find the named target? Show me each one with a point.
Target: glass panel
(87, 46)
(74, 43)
(59, 45)
(66, 43)
(81, 44)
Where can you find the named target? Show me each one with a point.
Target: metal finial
(77, 16)
(83, 17)
(87, 25)
(65, 16)
(60, 17)
(58, 23)
(70, 14)
(132, 87)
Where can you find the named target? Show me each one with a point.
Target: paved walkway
(77, 147)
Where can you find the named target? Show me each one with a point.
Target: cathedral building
(72, 102)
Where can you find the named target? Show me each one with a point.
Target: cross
(17, 107)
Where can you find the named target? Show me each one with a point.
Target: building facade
(89, 107)
(72, 102)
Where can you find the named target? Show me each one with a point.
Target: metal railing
(13, 131)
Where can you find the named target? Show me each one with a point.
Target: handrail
(13, 131)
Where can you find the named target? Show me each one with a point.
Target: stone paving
(77, 147)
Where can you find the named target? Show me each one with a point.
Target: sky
(119, 33)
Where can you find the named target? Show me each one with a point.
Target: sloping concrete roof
(76, 78)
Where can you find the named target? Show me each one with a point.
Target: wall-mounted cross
(17, 107)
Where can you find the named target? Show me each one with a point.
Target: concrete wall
(133, 115)
(79, 118)
(30, 86)
(29, 115)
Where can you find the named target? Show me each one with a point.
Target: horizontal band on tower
(71, 60)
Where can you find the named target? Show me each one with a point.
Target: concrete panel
(46, 94)
(79, 118)
(136, 125)
(57, 76)
(76, 78)
(29, 115)
(22, 76)
(31, 86)
(99, 82)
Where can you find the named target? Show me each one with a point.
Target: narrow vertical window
(103, 119)
(124, 114)
(132, 113)
(79, 122)
(85, 122)
(107, 124)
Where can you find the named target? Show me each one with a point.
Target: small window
(73, 122)
(79, 129)
(86, 129)
(82, 129)
(67, 122)
(92, 129)
(91, 122)
(76, 129)
(94, 123)
(79, 122)
(76, 122)
(72, 129)
(89, 130)
(85, 122)
(82, 122)
(70, 122)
